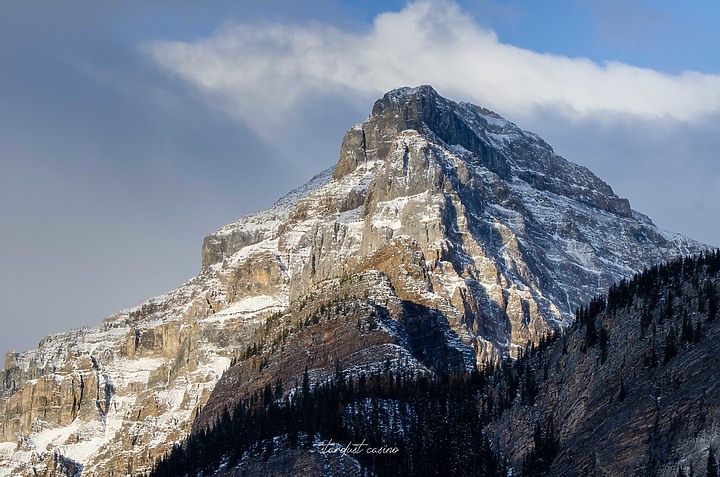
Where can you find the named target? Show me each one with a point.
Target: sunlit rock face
(445, 237)
(508, 238)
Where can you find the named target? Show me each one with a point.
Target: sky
(130, 130)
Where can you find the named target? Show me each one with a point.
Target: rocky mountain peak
(487, 139)
(423, 110)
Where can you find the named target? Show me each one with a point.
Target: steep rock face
(444, 237)
(354, 324)
(110, 401)
(642, 401)
(513, 236)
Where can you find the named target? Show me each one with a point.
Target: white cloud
(651, 134)
(258, 73)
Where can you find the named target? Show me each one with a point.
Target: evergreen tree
(687, 332)
(546, 445)
(590, 332)
(712, 303)
(697, 332)
(712, 470)
(622, 394)
(670, 346)
(603, 342)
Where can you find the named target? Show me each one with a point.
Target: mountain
(444, 238)
(630, 389)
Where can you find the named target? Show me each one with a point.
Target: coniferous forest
(436, 423)
(439, 422)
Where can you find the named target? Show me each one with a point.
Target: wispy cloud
(242, 66)
(650, 134)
